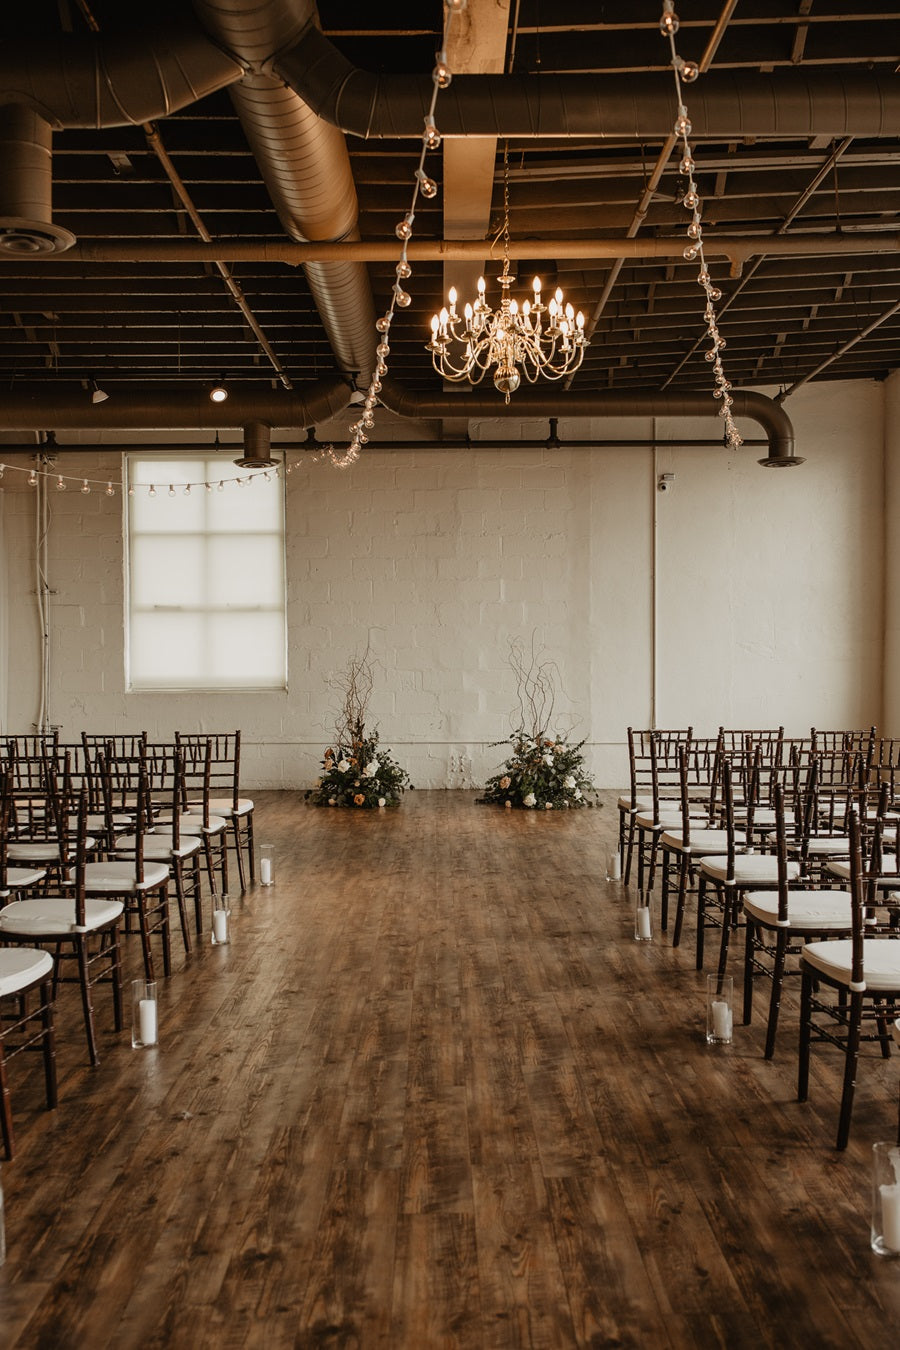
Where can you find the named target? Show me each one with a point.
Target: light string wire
(111, 487)
(688, 71)
(400, 297)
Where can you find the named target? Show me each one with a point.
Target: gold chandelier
(533, 339)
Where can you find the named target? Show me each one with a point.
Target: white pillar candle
(220, 925)
(147, 1016)
(643, 918)
(721, 1020)
(614, 867)
(265, 871)
(890, 1216)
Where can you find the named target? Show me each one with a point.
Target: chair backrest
(196, 767)
(142, 809)
(224, 761)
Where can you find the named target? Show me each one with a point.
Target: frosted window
(206, 575)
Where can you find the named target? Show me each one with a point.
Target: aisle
(432, 1094)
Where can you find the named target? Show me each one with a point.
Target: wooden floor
(433, 1095)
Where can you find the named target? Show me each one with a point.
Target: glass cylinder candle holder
(144, 1014)
(614, 867)
(886, 1199)
(719, 1017)
(220, 916)
(643, 927)
(266, 865)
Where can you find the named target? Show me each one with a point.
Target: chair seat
(43, 850)
(764, 817)
(840, 867)
(54, 915)
(814, 910)
(881, 961)
(750, 869)
(214, 825)
(20, 878)
(224, 806)
(702, 842)
(114, 878)
(666, 820)
(823, 846)
(158, 847)
(21, 967)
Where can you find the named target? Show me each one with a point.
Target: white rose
(530, 800)
(577, 794)
(370, 770)
(548, 760)
(343, 766)
(332, 801)
(568, 782)
(548, 806)
(508, 805)
(382, 801)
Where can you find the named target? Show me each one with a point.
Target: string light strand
(400, 298)
(687, 72)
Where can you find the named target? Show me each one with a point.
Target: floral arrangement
(543, 772)
(540, 774)
(355, 772)
(359, 774)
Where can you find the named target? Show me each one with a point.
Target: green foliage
(541, 774)
(359, 774)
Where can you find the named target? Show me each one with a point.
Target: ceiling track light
(219, 392)
(98, 395)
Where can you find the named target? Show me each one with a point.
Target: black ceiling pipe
(601, 403)
(129, 408)
(791, 103)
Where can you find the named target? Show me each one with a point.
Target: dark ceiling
(106, 309)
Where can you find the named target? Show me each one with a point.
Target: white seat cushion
(750, 869)
(160, 846)
(215, 825)
(823, 846)
(21, 966)
(840, 867)
(115, 878)
(42, 850)
(224, 806)
(881, 961)
(816, 910)
(52, 915)
(20, 878)
(702, 841)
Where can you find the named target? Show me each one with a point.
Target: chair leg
(806, 989)
(852, 1058)
(251, 850)
(729, 918)
(629, 853)
(664, 887)
(236, 832)
(178, 875)
(749, 949)
(49, 1043)
(5, 1108)
(781, 943)
(84, 976)
(684, 867)
(701, 920)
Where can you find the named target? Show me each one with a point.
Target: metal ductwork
(792, 104)
(139, 409)
(116, 80)
(26, 185)
(304, 164)
(602, 403)
(257, 447)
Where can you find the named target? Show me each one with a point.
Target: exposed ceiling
(176, 276)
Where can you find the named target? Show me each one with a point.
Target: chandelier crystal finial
(511, 341)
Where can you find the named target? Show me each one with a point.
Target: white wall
(765, 604)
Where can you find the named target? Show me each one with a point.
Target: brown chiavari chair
(779, 922)
(225, 795)
(25, 1025)
(850, 987)
(82, 930)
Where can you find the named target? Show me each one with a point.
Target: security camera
(665, 482)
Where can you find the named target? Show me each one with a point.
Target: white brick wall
(768, 594)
